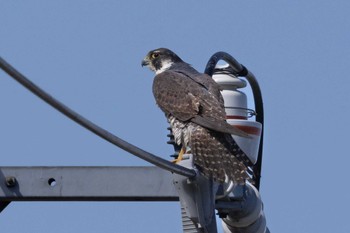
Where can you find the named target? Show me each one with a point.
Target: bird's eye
(154, 55)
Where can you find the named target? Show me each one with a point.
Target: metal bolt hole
(52, 182)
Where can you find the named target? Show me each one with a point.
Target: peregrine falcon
(194, 107)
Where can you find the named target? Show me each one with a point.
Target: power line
(151, 158)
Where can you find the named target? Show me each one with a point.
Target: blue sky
(88, 55)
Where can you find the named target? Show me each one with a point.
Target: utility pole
(239, 206)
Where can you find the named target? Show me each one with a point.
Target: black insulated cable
(151, 158)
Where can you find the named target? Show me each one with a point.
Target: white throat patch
(165, 65)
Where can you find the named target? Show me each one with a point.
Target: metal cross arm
(86, 184)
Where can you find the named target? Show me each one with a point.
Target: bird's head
(159, 60)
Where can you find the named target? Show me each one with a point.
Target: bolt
(10, 181)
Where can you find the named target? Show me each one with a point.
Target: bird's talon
(180, 156)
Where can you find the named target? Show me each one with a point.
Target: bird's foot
(180, 156)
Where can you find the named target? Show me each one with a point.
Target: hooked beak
(145, 62)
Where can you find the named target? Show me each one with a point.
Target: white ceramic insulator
(237, 113)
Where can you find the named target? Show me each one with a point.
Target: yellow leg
(179, 157)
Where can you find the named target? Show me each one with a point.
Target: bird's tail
(216, 156)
